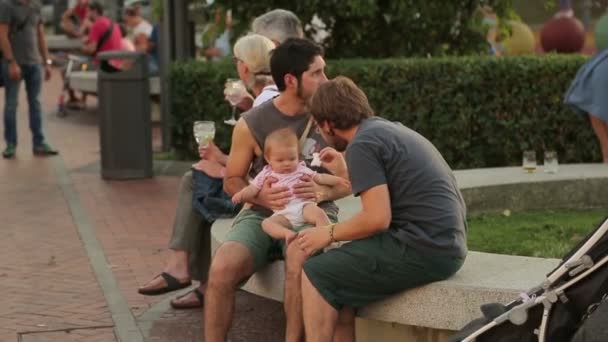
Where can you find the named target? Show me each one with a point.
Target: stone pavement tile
(256, 319)
(78, 335)
(133, 220)
(45, 276)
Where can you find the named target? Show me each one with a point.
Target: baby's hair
(284, 136)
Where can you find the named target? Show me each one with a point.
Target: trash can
(124, 108)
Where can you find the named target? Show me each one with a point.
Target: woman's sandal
(172, 285)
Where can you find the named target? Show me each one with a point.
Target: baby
(281, 152)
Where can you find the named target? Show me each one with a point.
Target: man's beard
(339, 144)
(336, 142)
(303, 96)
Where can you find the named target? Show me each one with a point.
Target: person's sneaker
(9, 151)
(45, 150)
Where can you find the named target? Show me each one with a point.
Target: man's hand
(305, 189)
(14, 71)
(210, 168)
(47, 72)
(313, 239)
(274, 198)
(334, 162)
(210, 152)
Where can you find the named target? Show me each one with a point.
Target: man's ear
(326, 127)
(291, 82)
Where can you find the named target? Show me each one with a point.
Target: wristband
(331, 233)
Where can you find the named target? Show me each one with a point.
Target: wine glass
(551, 164)
(529, 161)
(234, 88)
(204, 132)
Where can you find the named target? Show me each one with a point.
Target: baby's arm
(330, 180)
(246, 194)
(249, 192)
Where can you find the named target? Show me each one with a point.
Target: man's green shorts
(366, 270)
(247, 230)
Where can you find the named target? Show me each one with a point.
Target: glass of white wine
(529, 161)
(551, 164)
(234, 90)
(204, 132)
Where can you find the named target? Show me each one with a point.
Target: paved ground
(74, 248)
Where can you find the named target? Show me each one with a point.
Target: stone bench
(63, 43)
(434, 311)
(575, 186)
(86, 81)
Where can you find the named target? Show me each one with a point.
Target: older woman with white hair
(190, 244)
(252, 59)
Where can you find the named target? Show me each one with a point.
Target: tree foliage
(383, 28)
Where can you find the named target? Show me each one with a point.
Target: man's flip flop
(191, 305)
(172, 285)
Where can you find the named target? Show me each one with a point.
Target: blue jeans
(32, 75)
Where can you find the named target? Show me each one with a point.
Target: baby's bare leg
(315, 215)
(277, 226)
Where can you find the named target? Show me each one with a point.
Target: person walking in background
(565, 10)
(105, 35)
(141, 29)
(74, 21)
(25, 56)
(154, 51)
(216, 36)
(587, 95)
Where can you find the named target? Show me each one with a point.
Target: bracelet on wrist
(331, 233)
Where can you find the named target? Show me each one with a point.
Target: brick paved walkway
(55, 284)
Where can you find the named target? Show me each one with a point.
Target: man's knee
(231, 264)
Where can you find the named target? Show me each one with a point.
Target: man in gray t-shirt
(411, 229)
(24, 51)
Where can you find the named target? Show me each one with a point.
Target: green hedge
(478, 111)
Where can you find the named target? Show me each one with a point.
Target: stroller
(554, 310)
(71, 64)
